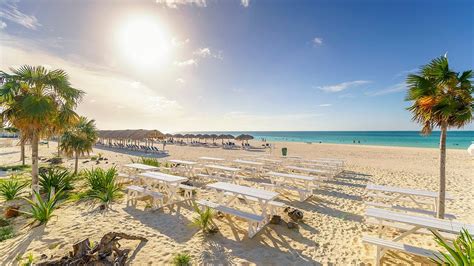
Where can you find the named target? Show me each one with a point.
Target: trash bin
(284, 151)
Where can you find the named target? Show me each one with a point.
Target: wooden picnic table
(188, 166)
(414, 224)
(211, 159)
(139, 166)
(309, 170)
(227, 171)
(263, 196)
(295, 180)
(167, 183)
(239, 161)
(407, 193)
(419, 222)
(269, 160)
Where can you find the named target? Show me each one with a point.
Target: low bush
(182, 259)
(17, 167)
(102, 186)
(42, 209)
(460, 252)
(55, 179)
(148, 161)
(6, 232)
(204, 220)
(11, 189)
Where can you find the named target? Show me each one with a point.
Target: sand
(330, 232)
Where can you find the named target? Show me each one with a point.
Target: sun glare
(144, 42)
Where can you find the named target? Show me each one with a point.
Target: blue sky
(239, 65)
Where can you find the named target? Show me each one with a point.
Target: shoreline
(361, 145)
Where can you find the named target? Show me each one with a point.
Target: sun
(144, 42)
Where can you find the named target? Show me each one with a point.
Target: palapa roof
(131, 134)
(244, 137)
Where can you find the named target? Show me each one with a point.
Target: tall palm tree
(440, 98)
(33, 100)
(79, 139)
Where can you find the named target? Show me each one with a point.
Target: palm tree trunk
(442, 171)
(34, 162)
(22, 155)
(76, 162)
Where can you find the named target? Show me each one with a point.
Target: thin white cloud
(180, 81)
(317, 41)
(325, 105)
(343, 86)
(2, 25)
(189, 62)
(176, 3)
(206, 52)
(198, 3)
(9, 11)
(405, 73)
(203, 52)
(392, 89)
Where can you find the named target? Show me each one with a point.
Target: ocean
(455, 139)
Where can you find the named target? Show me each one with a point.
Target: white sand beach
(330, 233)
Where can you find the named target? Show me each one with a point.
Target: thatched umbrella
(222, 137)
(178, 136)
(189, 136)
(244, 137)
(206, 137)
(213, 137)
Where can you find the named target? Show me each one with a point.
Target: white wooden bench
(274, 205)
(254, 221)
(389, 198)
(214, 177)
(135, 193)
(383, 245)
(188, 191)
(405, 227)
(407, 209)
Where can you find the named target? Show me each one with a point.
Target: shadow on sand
(132, 153)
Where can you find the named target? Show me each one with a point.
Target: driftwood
(106, 252)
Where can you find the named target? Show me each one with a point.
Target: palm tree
(440, 98)
(79, 139)
(36, 100)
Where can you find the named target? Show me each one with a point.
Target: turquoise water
(455, 140)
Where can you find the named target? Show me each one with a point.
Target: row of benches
(384, 244)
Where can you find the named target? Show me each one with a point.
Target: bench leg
(378, 256)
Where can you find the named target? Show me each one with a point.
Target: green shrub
(103, 185)
(17, 167)
(6, 232)
(204, 220)
(57, 179)
(11, 189)
(93, 158)
(461, 252)
(148, 161)
(4, 222)
(182, 259)
(42, 209)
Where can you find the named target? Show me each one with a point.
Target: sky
(215, 65)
